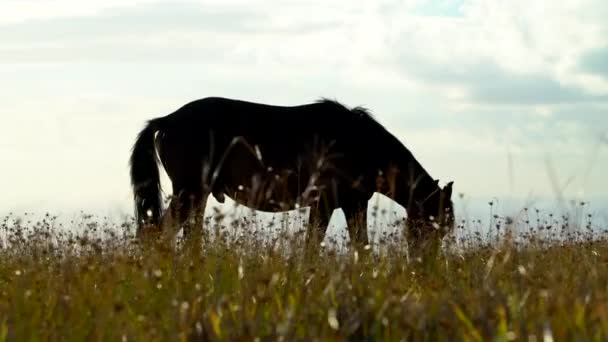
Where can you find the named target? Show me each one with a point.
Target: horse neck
(416, 186)
(413, 183)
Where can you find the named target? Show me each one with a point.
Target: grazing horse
(320, 155)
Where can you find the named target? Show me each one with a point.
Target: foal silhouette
(321, 155)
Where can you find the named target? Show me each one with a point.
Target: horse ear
(447, 189)
(436, 181)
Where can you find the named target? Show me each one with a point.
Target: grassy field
(56, 285)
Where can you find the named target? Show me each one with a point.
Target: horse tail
(145, 177)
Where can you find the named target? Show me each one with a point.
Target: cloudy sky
(506, 98)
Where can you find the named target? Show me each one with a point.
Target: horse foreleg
(318, 221)
(356, 220)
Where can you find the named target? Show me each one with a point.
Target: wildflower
(274, 279)
(547, 334)
(522, 270)
(332, 319)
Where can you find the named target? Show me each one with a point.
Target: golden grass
(65, 286)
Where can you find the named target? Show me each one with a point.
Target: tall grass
(94, 281)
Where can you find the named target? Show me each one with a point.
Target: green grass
(65, 286)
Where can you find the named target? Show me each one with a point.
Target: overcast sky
(485, 93)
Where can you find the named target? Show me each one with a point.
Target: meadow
(94, 281)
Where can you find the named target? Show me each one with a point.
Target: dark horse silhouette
(320, 155)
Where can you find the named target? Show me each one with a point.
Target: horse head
(427, 202)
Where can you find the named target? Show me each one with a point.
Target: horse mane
(365, 114)
(359, 111)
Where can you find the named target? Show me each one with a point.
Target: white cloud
(14, 11)
(461, 83)
(522, 39)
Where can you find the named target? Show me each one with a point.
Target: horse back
(322, 138)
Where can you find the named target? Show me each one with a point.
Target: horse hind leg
(192, 210)
(185, 211)
(169, 223)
